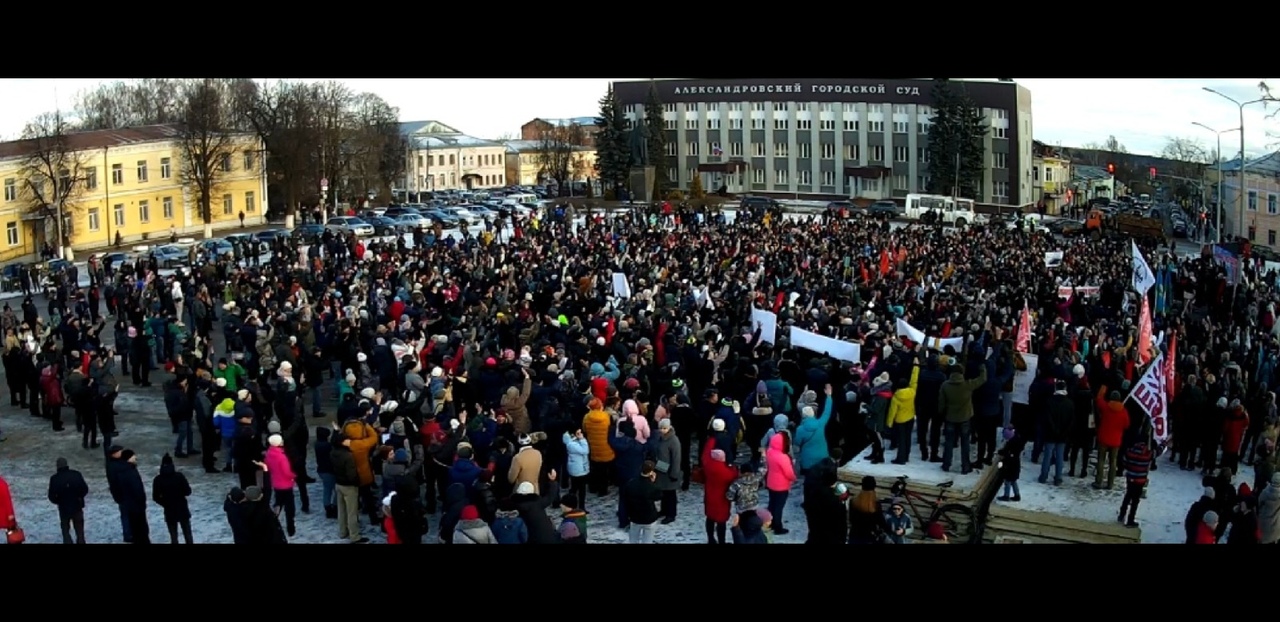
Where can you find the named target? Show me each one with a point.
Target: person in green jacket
(233, 373)
(955, 403)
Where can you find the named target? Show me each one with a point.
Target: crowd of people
(483, 388)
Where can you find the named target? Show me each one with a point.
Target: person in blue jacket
(810, 440)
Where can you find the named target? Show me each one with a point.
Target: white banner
(1053, 259)
(834, 348)
(1150, 393)
(1086, 290)
(1143, 279)
(918, 336)
(1022, 379)
(768, 322)
(621, 287)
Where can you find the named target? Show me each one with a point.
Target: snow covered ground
(1170, 492)
(917, 472)
(27, 460)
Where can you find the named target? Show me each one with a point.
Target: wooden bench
(1030, 527)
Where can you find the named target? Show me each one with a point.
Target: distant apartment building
(1260, 220)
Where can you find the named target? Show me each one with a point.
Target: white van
(520, 199)
(953, 211)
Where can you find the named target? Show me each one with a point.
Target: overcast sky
(1141, 114)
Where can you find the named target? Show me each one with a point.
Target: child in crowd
(1010, 466)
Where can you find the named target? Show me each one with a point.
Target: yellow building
(129, 183)
(525, 163)
(1050, 181)
(442, 158)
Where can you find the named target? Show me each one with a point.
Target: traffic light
(1153, 172)
(1111, 168)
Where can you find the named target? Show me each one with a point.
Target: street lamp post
(1240, 105)
(1219, 134)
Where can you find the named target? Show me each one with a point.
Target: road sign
(324, 184)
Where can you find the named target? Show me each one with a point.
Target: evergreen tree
(955, 150)
(657, 141)
(696, 190)
(613, 154)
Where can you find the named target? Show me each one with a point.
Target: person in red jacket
(1113, 420)
(388, 524)
(7, 519)
(1233, 429)
(1207, 533)
(718, 476)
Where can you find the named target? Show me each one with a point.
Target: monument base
(641, 179)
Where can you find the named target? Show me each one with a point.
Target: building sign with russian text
(796, 88)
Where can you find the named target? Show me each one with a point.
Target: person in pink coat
(780, 474)
(631, 412)
(282, 479)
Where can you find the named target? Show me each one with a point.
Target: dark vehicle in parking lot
(385, 226)
(845, 209)
(270, 235)
(885, 209)
(169, 256)
(400, 210)
(448, 220)
(309, 232)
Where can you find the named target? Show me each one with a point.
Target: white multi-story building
(829, 138)
(440, 157)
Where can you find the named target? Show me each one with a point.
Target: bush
(675, 195)
(695, 188)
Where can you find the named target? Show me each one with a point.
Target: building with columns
(828, 138)
(442, 158)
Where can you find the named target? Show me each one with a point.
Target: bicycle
(958, 521)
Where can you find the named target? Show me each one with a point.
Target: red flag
(1170, 370)
(884, 262)
(778, 300)
(1024, 330)
(1144, 333)
(862, 269)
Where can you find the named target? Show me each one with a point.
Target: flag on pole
(1023, 343)
(1151, 394)
(1161, 293)
(1143, 279)
(1144, 333)
(1170, 370)
(716, 150)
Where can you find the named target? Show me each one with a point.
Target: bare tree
(206, 140)
(282, 115)
(331, 103)
(152, 101)
(557, 146)
(505, 136)
(1184, 150)
(53, 175)
(377, 147)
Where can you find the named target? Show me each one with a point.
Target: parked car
(845, 209)
(269, 236)
(885, 209)
(246, 238)
(349, 224)
(308, 233)
(448, 220)
(386, 226)
(463, 214)
(414, 221)
(216, 246)
(398, 211)
(169, 256)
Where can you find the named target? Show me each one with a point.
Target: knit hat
(397, 428)
(525, 488)
(236, 494)
(935, 531)
(242, 394)
(361, 357)
(806, 412)
(386, 501)
(286, 366)
(717, 425)
(61, 463)
(717, 455)
(220, 382)
(765, 515)
(401, 456)
(664, 425)
(166, 459)
(868, 483)
(470, 513)
(133, 332)
(367, 393)
(436, 372)
(569, 530)
(253, 493)
(275, 440)
(273, 427)
(1209, 492)
(1211, 518)
(1078, 371)
(390, 406)
(524, 440)
(898, 502)
(1244, 490)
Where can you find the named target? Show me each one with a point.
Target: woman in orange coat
(718, 476)
(596, 427)
(363, 441)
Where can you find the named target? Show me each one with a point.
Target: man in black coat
(261, 525)
(67, 490)
(638, 498)
(130, 495)
(929, 430)
(177, 400)
(1057, 431)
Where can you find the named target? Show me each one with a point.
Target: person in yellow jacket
(902, 413)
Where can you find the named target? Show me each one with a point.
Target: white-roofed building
(441, 157)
